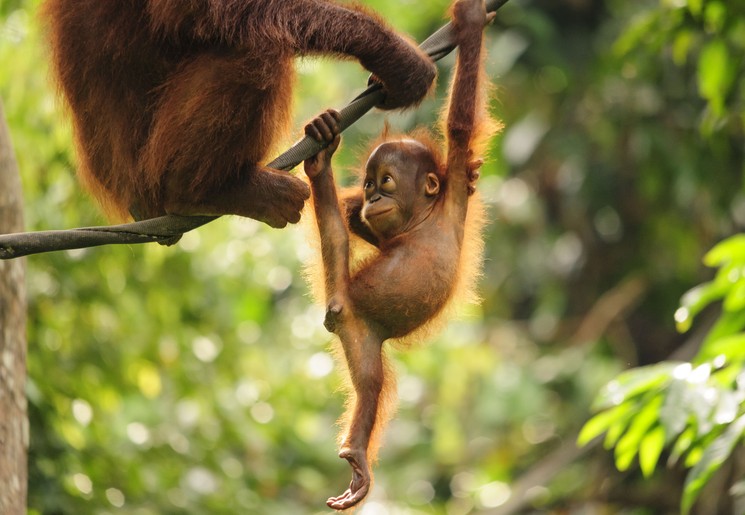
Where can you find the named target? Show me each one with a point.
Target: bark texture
(13, 417)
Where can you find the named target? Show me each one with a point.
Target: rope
(168, 229)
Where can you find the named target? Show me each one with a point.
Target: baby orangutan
(413, 208)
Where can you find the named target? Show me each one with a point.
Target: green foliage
(697, 409)
(707, 35)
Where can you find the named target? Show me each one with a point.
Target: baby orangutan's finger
(331, 122)
(312, 132)
(323, 129)
(476, 164)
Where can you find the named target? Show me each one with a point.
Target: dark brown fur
(177, 103)
(414, 209)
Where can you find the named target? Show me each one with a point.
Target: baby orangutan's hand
(472, 13)
(474, 167)
(324, 129)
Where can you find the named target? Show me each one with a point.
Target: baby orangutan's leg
(365, 363)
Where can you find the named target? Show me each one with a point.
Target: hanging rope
(168, 229)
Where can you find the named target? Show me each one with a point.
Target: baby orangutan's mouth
(373, 213)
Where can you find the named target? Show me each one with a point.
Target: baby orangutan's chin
(384, 226)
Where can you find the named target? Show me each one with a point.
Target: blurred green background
(196, 379)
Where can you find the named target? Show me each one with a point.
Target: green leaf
(637, 32)
(682, 46)
(624, 457)
(735, 299)
(714, 455)
(726, 251)
(701, 404)
(629, 444)
(727, 407)
(695, 6)
(650, 449)
(602, 422)
(674, 414)
(732, 347)
(728, 324)
(694, 455)
(615, 431)
(715, 16)
(682, 444)
(634, 382)
(695, 300)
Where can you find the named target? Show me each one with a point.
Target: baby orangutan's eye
(389, 184)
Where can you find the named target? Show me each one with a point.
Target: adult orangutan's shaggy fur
(177, 103)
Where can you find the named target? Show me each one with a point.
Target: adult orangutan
(177, 103)
(413, 206)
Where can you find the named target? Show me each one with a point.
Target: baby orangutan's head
(402, 182)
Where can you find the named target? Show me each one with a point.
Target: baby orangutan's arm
(334, 236)
(362, 346)
(467, 103)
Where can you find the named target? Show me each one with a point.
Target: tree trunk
(13, 419)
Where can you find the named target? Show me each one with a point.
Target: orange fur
(432, 304)
(362, 252)
(464, 293)
(397, 257)
(176, 105)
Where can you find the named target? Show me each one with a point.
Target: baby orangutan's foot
(360, 484)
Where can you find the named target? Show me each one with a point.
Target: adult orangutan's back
(176, 104)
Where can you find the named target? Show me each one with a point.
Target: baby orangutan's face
(395, 187)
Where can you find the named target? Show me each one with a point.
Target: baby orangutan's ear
(432, 186)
